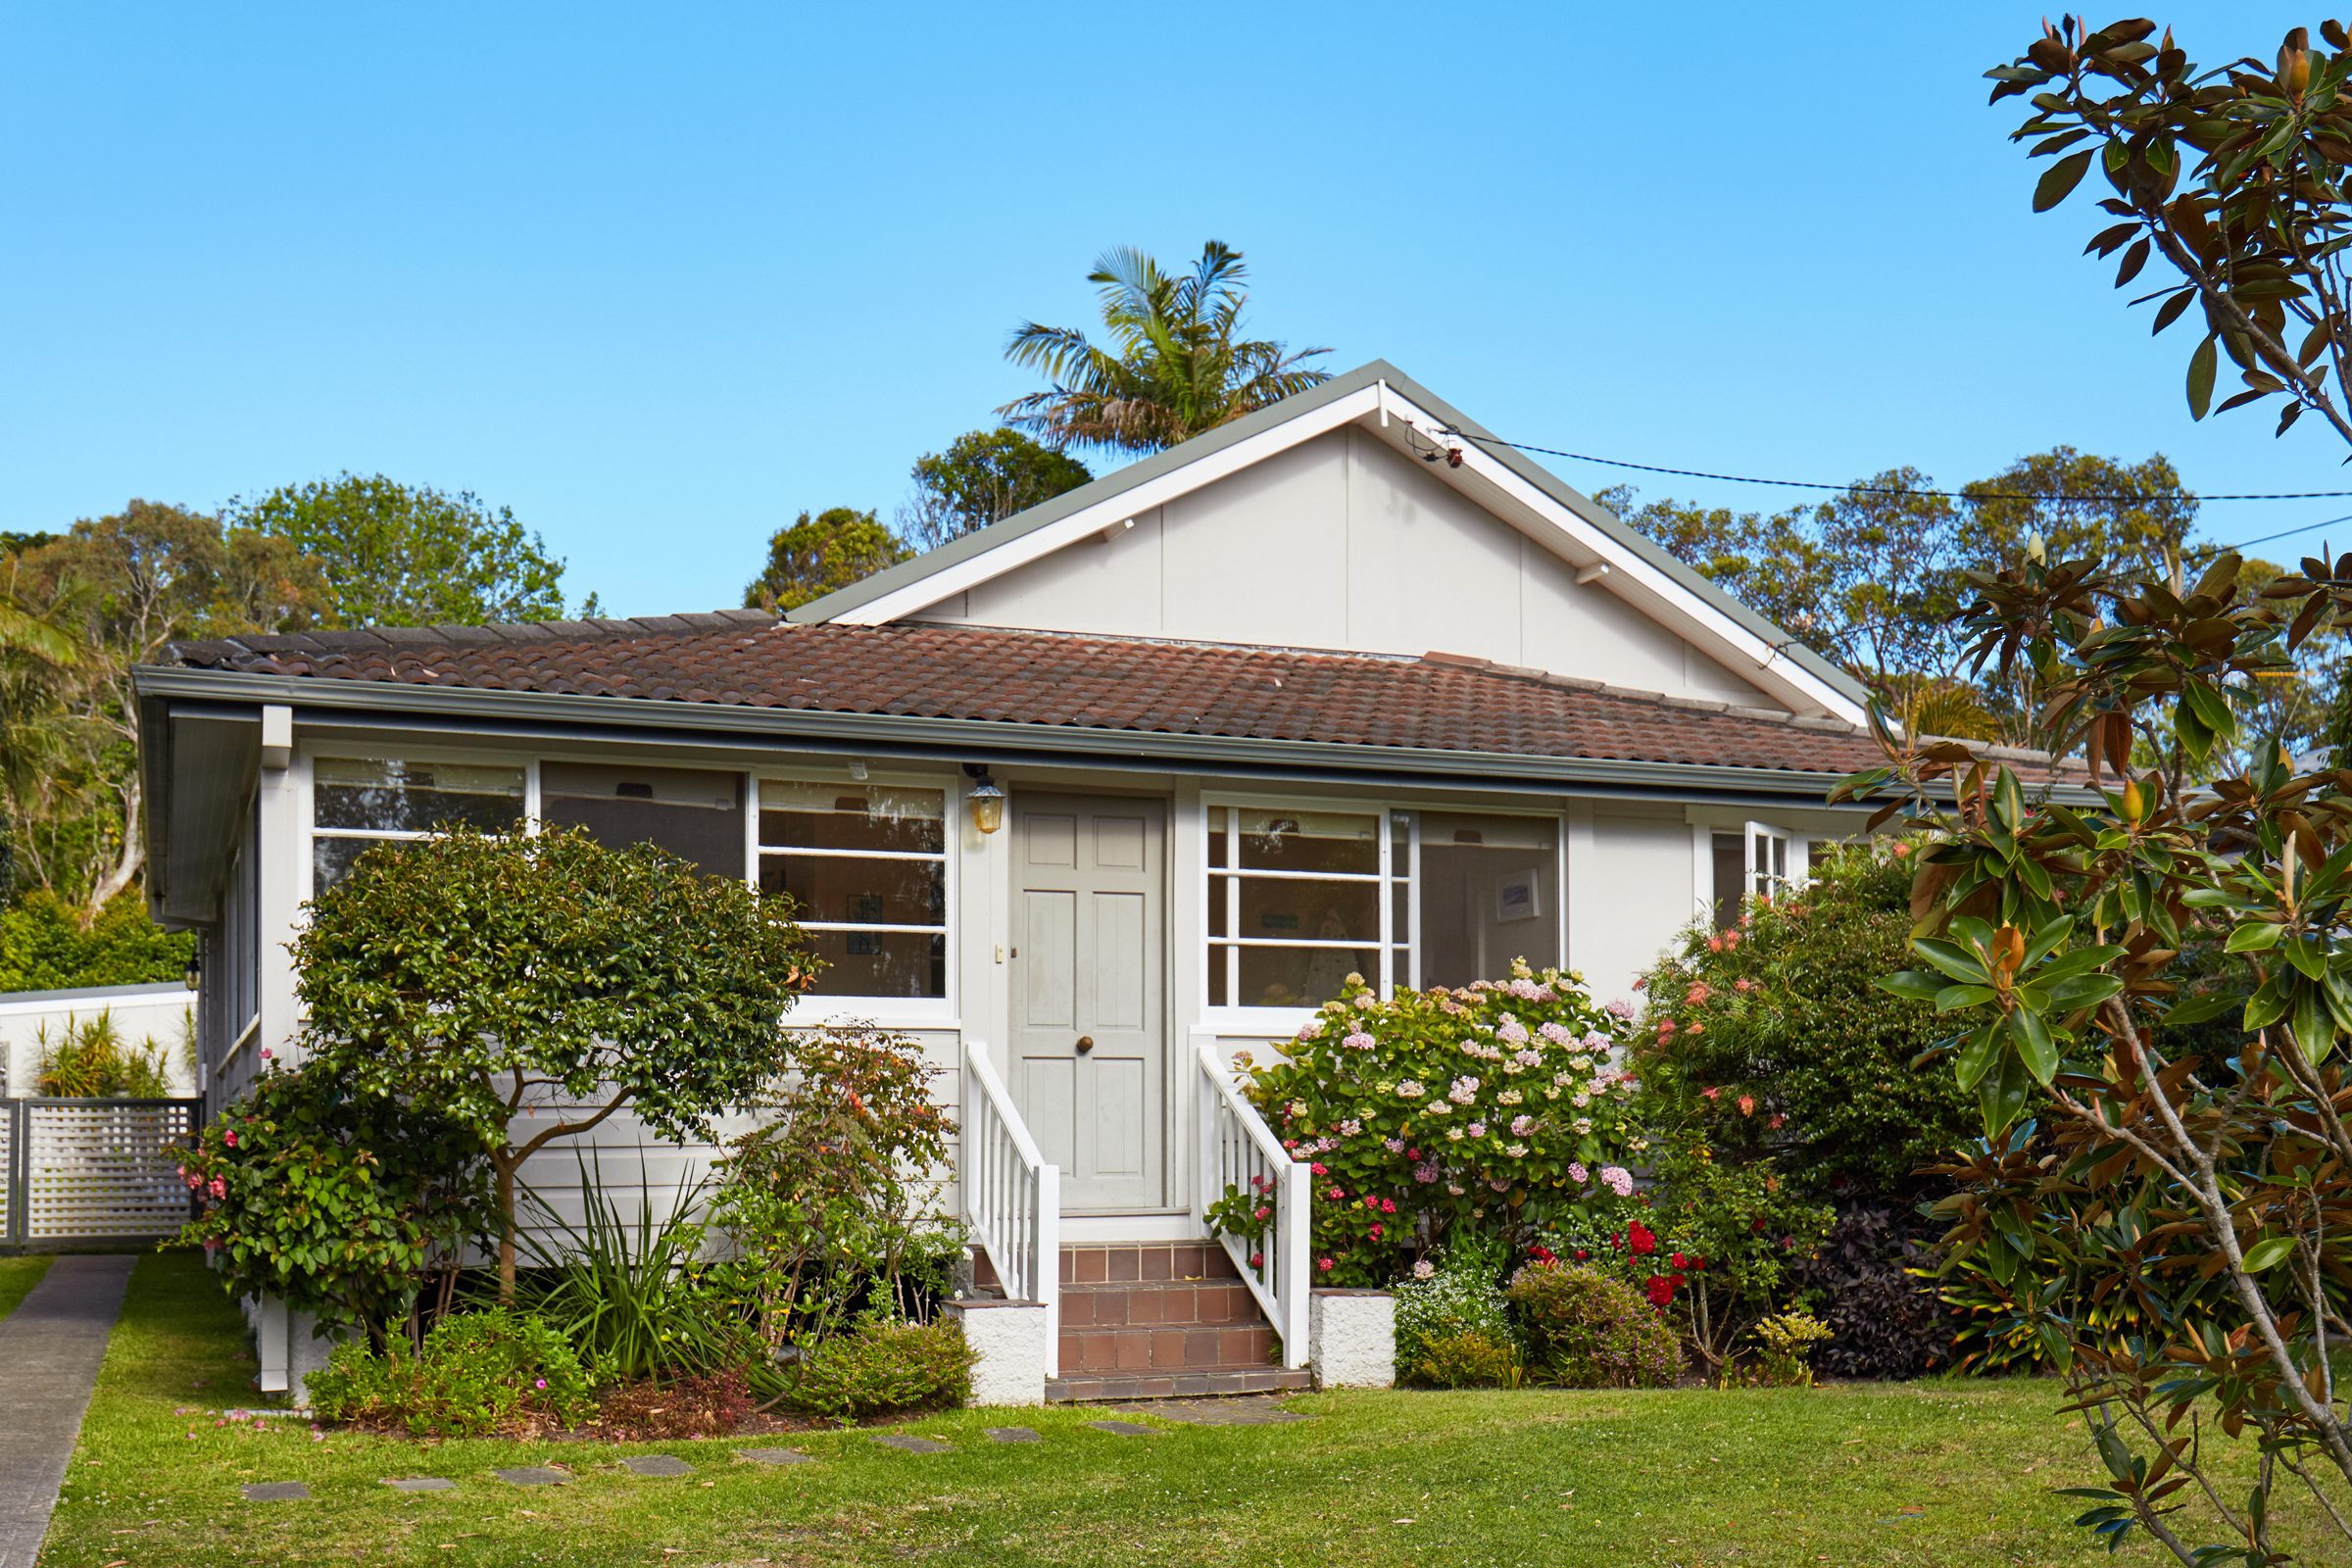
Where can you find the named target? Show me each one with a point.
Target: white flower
(1453, 1135)
(1350, 1127)
(1409, 1090)
(1521, 1126)
(1581, 1101)
(1464, 1091)
(1439, 1108)
(1516, 1151)
(1583, 1126)
(1509, 1097)
(1551, 1093)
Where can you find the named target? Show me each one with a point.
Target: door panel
(1089, 908)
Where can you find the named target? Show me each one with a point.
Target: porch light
(987, 800)
(194, 975)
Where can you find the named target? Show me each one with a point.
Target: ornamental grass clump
(1494, 1108)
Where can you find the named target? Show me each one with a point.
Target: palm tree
(1175, 366)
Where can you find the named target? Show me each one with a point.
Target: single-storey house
(1087, 800)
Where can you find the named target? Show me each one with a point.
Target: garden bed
(1934, 1472)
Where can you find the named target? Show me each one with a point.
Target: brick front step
(1083, 1386)
(1098, 1352)
(1166, 1303)
(1146, 1263)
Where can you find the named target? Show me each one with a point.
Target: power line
(2264, 539)
(1898, 490)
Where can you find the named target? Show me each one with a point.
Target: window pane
(852, 817)
(1488, 895)
(1298, 911)
(401, 797)
(330, 860)
(1311, 840)
(1731, 878)
(859, 891)
(692, 812)
(1293, 977)
(880, 963)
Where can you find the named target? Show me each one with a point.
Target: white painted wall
(161, 1015)
(1343, 542)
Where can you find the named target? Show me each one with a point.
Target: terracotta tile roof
(746, 658)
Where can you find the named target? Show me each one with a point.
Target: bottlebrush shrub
(334, 1199)
(1584, 1330)
(1496, 1108)
(476, 1373)
(1771, 1037)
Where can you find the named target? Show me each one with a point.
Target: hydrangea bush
(1498, 1107)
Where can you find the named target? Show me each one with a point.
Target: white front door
(1089, 1052)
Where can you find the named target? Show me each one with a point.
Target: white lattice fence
(97, 1169)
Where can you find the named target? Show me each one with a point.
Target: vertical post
(1049, 1260)
(20, 1163)
(1297, 1264)
(1208, 1170)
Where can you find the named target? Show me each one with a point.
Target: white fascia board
(1635, 580)
(1079, 525)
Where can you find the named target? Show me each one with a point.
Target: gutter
(363, 704)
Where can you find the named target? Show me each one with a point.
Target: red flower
(1388, 1206)
(1661, 1291)
(1378, 1231)
(1317, 1168)
(1257, 1261)
(1680, 1261)
(1642, 1239)
(1323, 1263)
(1540, 1254)
(1758, 1226)
(1582, 1254)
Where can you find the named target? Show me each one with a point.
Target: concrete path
(50, 1348)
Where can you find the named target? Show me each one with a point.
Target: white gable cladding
(1344, 542)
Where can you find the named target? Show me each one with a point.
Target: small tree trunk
(504, 1165)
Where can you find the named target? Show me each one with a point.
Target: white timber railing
(1240, 1155)
(1012, 1197)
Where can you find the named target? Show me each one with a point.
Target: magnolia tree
(530, 988)
(2205, 1185)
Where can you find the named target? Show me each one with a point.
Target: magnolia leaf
(1952, 958)
(2034, 1044)
(2269, 1254)
(2058, 182)
(1977, 1057)
(1911, 985)
(2255, 936)
(2201, 367)
(1953, 998)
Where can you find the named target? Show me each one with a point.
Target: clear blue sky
(660, 276)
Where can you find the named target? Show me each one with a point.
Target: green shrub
(477, 1373)
(45, 946)
(1774, 1039)
(1491, 1108)
(880, 1366)
(334, 1199)
(90, 1059)
(1448, 1310)
(1471, 1359)
(1584, 1330)
(1785, 1345)
(828, 1201)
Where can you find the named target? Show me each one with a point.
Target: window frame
(938, 1011)
(1795, 844)
(1246, 1020)
(811, 1010)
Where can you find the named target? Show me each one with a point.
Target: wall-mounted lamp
(194, 974)
(987, 800)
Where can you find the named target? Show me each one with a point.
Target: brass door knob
(1086, 1043)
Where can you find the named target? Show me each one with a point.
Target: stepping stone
(422, 1484)
(532, 1475)
(909, 1443)
(277, 1491)
(1012, 1435)
(1123, 1429)
(656, 1464)
(772, 1455)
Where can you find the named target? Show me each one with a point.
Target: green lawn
(18, 1277)
(1935, 1473)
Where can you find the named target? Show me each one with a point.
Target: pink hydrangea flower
(1521, 1126)
(1424, 1269)
(1395, 1146)
(1464, 1091)
(1621, 1008)
(1578, 1174)
(1358, 1040)
(1317, 1169)
(1617, 1179)
(1425, 1172)
(1478, 1129)
(229, 1138)
(1511, 1032)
